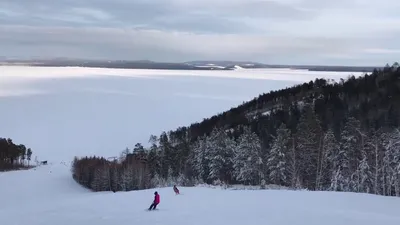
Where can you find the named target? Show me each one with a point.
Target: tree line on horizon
(13, 156)
(320, 135)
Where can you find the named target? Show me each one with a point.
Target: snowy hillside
(48, 196)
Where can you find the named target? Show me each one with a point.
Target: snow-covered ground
(48, 196)
(63, 112)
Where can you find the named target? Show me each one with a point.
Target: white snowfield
(49, 196)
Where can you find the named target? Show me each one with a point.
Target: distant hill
(190, 65)
(228, 64)
(255, 65)
(118, 64)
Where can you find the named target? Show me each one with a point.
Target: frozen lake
(65, 112)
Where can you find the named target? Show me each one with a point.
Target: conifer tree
(363, 176)
(101, 180)
(351, 145)
(308, 147)
(278, 159)
(220, 151)
(166, 154)
(28, 155)
(248, 160)
(373, 144)
(329, 162)
(201, 159)
(154, 161)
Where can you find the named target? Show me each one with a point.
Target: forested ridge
(320, 135)
(13, 156)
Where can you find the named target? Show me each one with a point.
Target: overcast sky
(347, 32)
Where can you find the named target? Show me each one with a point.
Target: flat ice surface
(64, 112)
(48, 196)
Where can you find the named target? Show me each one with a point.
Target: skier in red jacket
(155, 202)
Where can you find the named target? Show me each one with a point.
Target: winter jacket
(157, 199)
(176, 190)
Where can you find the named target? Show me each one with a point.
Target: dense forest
(320, 135)
(13, 156)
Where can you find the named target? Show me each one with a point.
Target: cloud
(285, 31)
(382, 51)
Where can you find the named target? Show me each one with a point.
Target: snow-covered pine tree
(386, 170)
(213, 156)
(373, 145)
(337, 179)
(278, 160)
(362, 179)
(391, 163)
(154, 160)
(123, 154)
(396, 160)
(220, 151)
(101, 179)
(141, 176)
(170, 179)
(174, 158)
(181, 180)
(127, 178)
(293, 168)
(199, 158)
(239, 162)
(28, 155)
(229, 150)
(166, 154)
(115, 178)
(329, 162)
(248, 162)
(349, 155)
(308, 147)
(22, 150)
(341, 177)
(180, 141)
(158, 181)
(363, 175)
(153, 139)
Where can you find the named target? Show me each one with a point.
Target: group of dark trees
(13, 156)
(320, 135)
(129, 172)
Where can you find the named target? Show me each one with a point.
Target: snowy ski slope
(48, 196)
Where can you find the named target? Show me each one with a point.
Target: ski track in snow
(102, 108)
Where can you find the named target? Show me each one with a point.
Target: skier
(155, 202)
(176, 190)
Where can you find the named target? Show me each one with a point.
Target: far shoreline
(184, 66)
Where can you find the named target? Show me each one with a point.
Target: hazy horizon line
(5, 59)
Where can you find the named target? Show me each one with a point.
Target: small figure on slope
(176, 190)
(155, 202)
